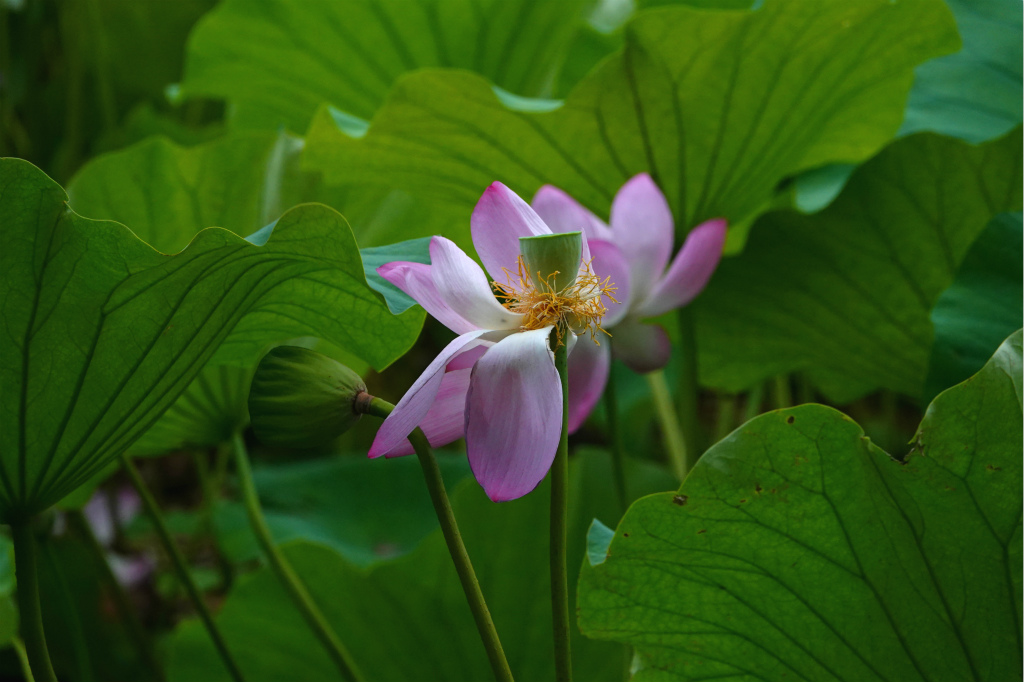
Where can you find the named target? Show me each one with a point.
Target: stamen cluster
(578, 307)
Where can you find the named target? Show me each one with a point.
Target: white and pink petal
(690, 270)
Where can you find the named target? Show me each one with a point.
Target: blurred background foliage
(852, 277)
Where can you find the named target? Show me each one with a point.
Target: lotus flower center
(579, 307)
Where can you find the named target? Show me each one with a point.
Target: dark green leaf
(980, 307)
(104, 333)
(714, 109)
(796, 549)
(277, 61)
(845, 295)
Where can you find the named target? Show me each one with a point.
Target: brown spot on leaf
(990, 467)
(758, 488)
(702, 530)
(743, 500)
(680, 499)
(625, 535)
(790, 420)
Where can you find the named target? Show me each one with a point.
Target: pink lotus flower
(640, 235)
(496, 383)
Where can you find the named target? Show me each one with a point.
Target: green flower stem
(664, 410)
(782, 396)
(689, 388)
(611, 407)
(181, 567)
(133, 626)
(19, 648)
(286, 573)
(754, 399)
(28, 600)
(725, 420)
(463, 566)
(559, 522)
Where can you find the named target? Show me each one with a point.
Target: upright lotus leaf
(417, 600)
(797, 549)
(276, 61)
(846, 295)
(980, 307)
(719, 106)
(167, 193)
(103, 333)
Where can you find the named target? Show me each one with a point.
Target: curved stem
(25, 572)
(19, 649)
(559, 523)
(456, 548)
(72, 617)
(665, 411)
(611, 407)
(181, 567)
(291, 581)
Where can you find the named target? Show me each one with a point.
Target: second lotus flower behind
(496, 383)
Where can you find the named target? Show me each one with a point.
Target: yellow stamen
(579, 306)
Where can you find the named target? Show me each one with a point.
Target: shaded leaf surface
(829, 85)
(981, 307)
(102, 333)
(846, 294)
(797, 549)
(429, 635)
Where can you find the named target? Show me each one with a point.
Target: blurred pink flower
(496, 383)
(634, 251)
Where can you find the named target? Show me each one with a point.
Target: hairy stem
(25, 572)
(453, 538)
(291, 581)
(181, 566)
(559, 522)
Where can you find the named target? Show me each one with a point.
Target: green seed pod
(553, 259)
(303, 399)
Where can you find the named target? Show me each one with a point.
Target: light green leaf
(103, 333)
(407, 619)
(167, 193)
(277, 61)
(796, 549)
(845, 295)
(974, 94)
(718, 106)
(414, 250)
(980, 307)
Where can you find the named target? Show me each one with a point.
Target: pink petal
(499, 220)
(588, 374)
(416, 402)
(690, 271)
(643, 229)
(514, 415)
(415, 279)
(463, 286)
(562, 213)
(642, 347)
(467, 358)
(608, 261)
(445, 421)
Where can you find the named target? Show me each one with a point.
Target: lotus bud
(552, 260)
(302, 399)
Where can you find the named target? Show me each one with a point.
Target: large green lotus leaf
(407, 619)
(277, 61)
(980, 307)
(719, 106)
(975, 93)
(798, 550)
(103, 332)
(364, 509)
(167, 193)
(845, 295)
